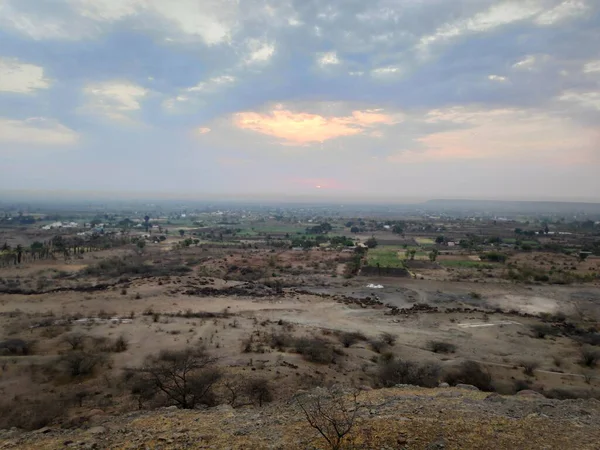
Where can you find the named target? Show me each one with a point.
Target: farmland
(290, 299)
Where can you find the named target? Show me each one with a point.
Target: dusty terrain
(296, 320)
(403, 418)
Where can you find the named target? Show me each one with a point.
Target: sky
(353, 99)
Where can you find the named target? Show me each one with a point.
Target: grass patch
(424, 241)
(385, 256)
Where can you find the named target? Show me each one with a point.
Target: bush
(395, 372)
(332, 413)
(494, 257)
(591, 338)
(185, 377)
(470, 372)
(79, 364)
(441, 347)
(589, 356)
(260, 391)
(529, 367)
(315, 350)
(32, 413)
(388, 338)
(76, 340)
(377, 345)
(350, 338)
(15, 347)
(120, 345)
(521, 385)
(280, 341)
(541, 330)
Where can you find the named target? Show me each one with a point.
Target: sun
(318, 186)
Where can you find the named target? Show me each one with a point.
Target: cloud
(500, 134)
(566, 10)
(116, 100)
(582, 99)
(203, 130)
(259, 52)
(592, 67)
(531, 62)
(303, 128)
(497, 78)
(497, 15)
(36, 131)
(213, 84)
(386, 71)
(211, 21)
(190, 97)
(21, 78)
(327, 59)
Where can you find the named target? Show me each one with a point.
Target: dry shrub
(529, 367)
(81, 364)
(32, 413)
(378, 345)
(393, 372)
(332, 413)
(542, 330)
(348, 339)
(121, 344)
(315, 350)
(470, 372)
(589, 356)
(185, 378)
(16, 347)
(441, 347)
(388, 338)
(280, 341)
(259, 390)
(75, 340)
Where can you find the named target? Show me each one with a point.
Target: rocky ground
(405, 417)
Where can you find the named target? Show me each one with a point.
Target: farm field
(280, 304)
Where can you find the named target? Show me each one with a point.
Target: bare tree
(529, 367)
(332, 413)
(259, 390)
(186, 377)
(75, 340)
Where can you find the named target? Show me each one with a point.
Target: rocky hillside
(395, 418)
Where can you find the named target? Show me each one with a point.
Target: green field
(424, 241)
(467, 264)
(386, 256)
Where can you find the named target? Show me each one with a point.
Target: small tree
(186, 377)
(371, 242)
(433, 255)
(259, 390)
(80, 364)
(181, 233)
(331, 413)
(75, 340)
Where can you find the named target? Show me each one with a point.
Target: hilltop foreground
(404, 417)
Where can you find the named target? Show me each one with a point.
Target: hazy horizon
(325, 101)
(326, 197)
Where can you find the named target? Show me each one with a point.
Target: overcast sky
(326, 98)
